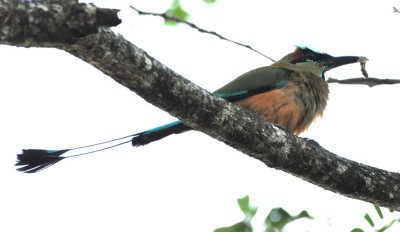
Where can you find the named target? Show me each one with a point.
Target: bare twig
(371, 82)
(363, 60)
(192, 25)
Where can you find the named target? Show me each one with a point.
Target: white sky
(50, 99)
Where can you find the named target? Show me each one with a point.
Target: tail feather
(34, 160)
(158, 133)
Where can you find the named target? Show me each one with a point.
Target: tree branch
(239, 128)
(167, 17)
(46, 23)
(370, 81)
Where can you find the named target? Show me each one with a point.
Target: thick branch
(243, 130)
(44, 24)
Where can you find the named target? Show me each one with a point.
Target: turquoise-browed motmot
(292, 92)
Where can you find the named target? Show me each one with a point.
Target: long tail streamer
(34, 160)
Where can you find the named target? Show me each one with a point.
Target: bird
(290, 93)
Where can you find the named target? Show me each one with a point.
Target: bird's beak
(335, 62)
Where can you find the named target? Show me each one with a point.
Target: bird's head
(318, 62)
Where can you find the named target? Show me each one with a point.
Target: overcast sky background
(190, 182)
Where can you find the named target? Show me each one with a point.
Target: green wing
(254, 82)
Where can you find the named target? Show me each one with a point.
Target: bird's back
(292, 97)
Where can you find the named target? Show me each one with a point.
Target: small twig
(371, 82)
(192, 25)
(363, 60)
(395, 10)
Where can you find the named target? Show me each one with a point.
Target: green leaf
(244, 204)
(384, 228)
(303, 214)
(369, 220)
(379, 211)
(278, 218)
(176, 11)
(209, 1)
(238, 227)
(356, 230)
